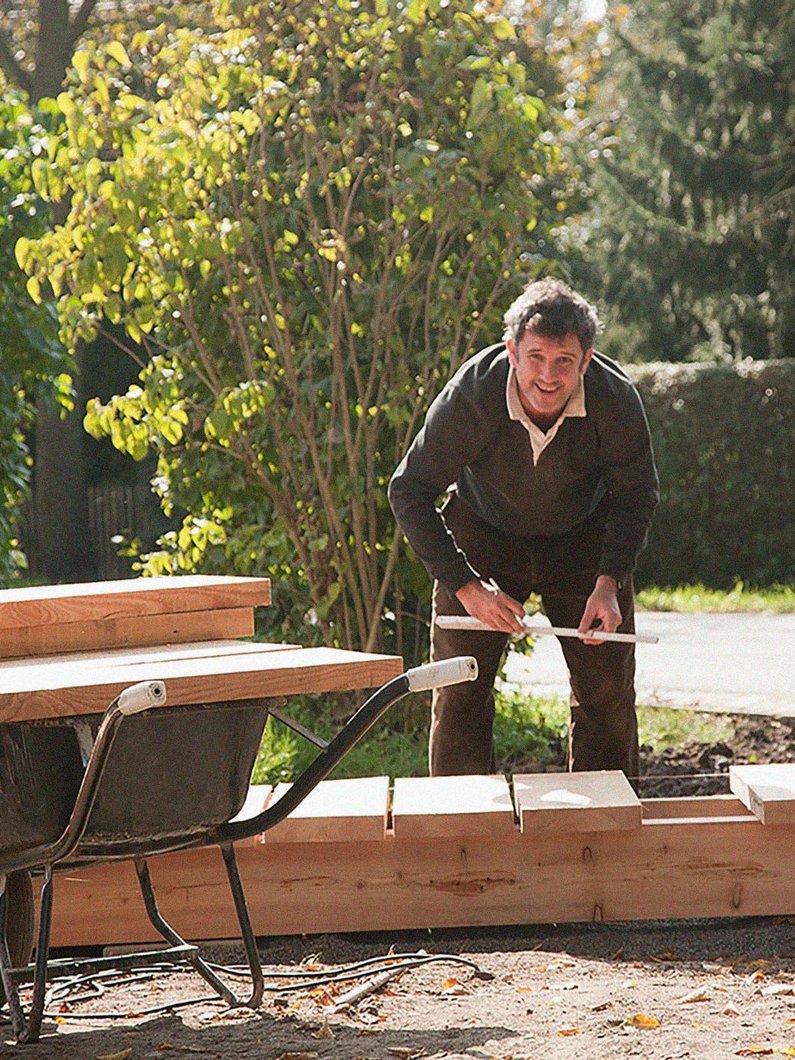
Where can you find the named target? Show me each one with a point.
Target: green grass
(528, 731)
(778, 599)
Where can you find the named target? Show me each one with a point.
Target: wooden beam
(428, 807)
(692, 806)
(26, 693)
(576, 802)
(50, 668)
(353, 810)
(665, 869)
(128, 632)
(48, 604)
(768, 791)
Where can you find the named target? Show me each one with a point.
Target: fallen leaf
(667, 955)
(601, 1008)
(646, 1023)
(325, 1033)
(453, 988)
(755, 1050)
(789, 1051)
(777, 989)
(369, 1018)
(699, 994)
(165, 1046)
(754, 977)
(567, 1032)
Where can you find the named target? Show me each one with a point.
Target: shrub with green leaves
(724, 439)
(309, 218)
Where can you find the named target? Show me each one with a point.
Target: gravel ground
(659, 990)
(706, 989)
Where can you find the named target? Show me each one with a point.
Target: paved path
(738, 663)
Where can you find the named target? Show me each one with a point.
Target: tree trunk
(62, 550)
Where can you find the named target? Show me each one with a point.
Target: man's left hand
(601, 609)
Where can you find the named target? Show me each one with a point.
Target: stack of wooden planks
(51, 619)
(69, 650)
(364, 855)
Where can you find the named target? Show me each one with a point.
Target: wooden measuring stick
(469, 623)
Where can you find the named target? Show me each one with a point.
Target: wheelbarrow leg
(168, 933)
(28, 1030)
(246, 930)
(9, 983)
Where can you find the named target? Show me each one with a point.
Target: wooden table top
(86, 682)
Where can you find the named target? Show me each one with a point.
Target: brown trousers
(603, 733)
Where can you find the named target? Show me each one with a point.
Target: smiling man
(542, 447)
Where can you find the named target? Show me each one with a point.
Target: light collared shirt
(539, 439)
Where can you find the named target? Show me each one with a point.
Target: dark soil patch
(694, 768)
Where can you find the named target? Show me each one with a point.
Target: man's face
(548, 372)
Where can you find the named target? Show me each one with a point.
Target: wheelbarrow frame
(77, 845)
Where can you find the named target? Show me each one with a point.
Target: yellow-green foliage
(307, 217)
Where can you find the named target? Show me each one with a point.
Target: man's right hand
(488, 603)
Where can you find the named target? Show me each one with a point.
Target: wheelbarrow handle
(445, 672)
(142, 696)
(469, 623)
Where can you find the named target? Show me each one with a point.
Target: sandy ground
(706, 989)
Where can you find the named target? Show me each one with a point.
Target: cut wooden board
(41, 670)
(768, 791)
(353, 810)
(429, 807)
(130, 632)
(69, 691)
(132, 597)
(692, 807)
(575, 802)
(716, 868)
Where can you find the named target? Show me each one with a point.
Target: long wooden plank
(129, 632)
(47, 604)
(428, 807)
(353, 810)
(692, 806)
(768, 791)
(43, 671)
(580, 802)
(270, 673)
(716, 868)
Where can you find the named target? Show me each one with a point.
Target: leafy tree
(308, 218)
(32, 360)
(37, 42)
(690, 240)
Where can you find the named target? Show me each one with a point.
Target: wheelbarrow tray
(173, 775)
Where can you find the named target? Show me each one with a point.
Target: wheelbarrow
(145, 779)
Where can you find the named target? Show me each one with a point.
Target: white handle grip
(445, 672)
(142, 696)
(467, 622)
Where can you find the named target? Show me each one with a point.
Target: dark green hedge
(723, 438)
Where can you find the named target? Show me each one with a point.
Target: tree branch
(12, 69)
